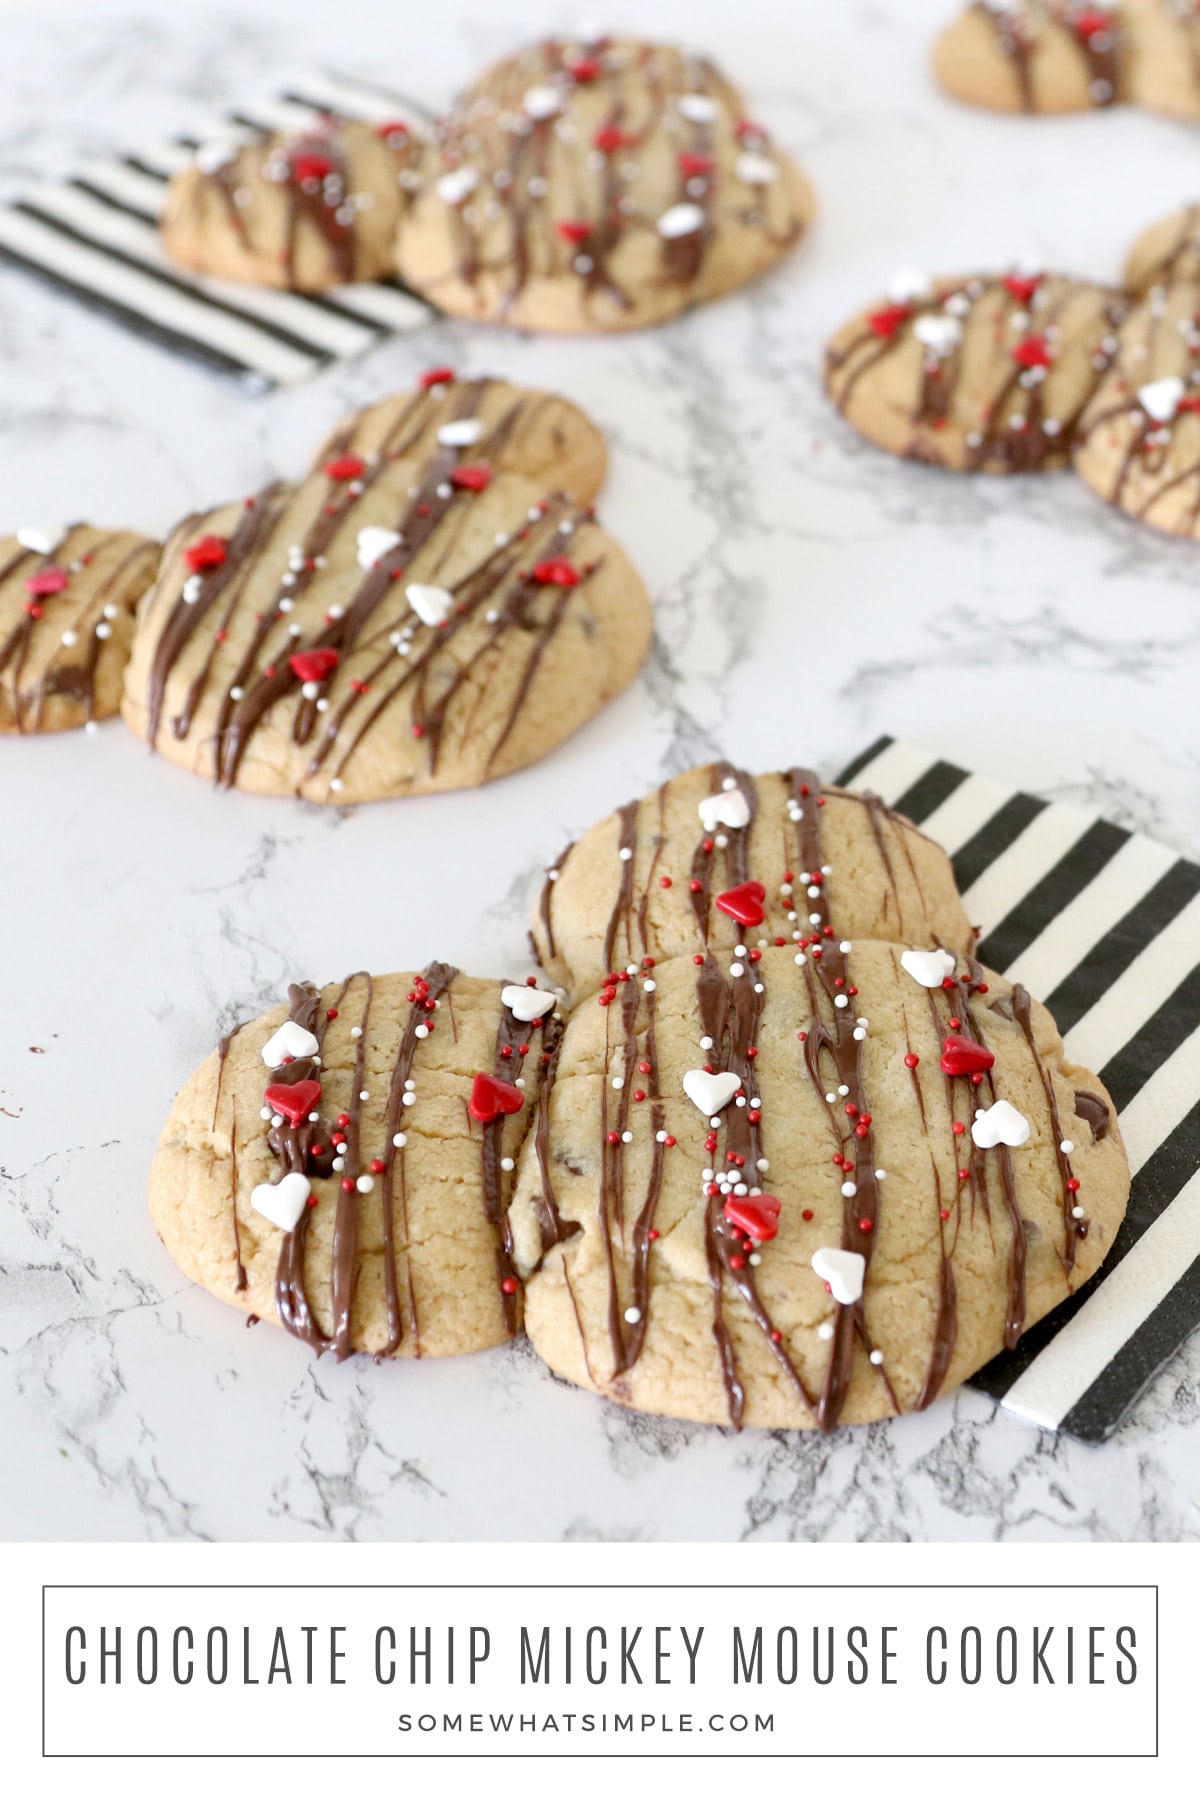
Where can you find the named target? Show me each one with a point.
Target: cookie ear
(1030, 56)
(355, 1193)
(306, 211)
(632, 185)
(977, 372)
(1138, 445)
(68, 600)
(538, 436)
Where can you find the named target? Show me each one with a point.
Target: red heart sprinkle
(609, 139)
(744, 903)
(692, 164)
(308, 166)
(436, 378)
(392, 128)
(887, 321)
(345, 468)
(472, 476)
(206, 553)
(294, 1101)
(313, 665)
(961, 1057)
(586, 69)
(47, 581)
(1092, 24)
(755, 1214)
(490, 1099)
(557, 572)
(574, 231)
(1033, 353)
(1022, 287)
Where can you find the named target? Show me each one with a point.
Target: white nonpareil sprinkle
(399, 1140)
(633, 1315)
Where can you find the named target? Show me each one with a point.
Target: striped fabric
(95, 237)
(1104, 926)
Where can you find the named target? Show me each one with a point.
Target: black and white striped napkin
(1104, 927)
(95, 237)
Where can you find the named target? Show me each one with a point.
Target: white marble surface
(811, 593)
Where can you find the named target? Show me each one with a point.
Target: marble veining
(810, 593)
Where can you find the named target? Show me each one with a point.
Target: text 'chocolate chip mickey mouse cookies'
(343, 1165)
(305, 211)
(682, 871)
(395, 623)
(986, 372)
(807, 1179)
(597, 186)
(1056, 56)
(1139, 442)
(1048, 56)
(68, 596)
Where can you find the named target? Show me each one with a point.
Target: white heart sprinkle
(431, 604)
(698, 108)
(843, 1270)
(939, 333)
(541, 102)
(929, 967)
(290, 1040)
(727, 808)
(906, 285)
(755, 170)
(999, 1123)
(682, 220)
(219, 152)
(460, 431)
(710, 1092)
(1161, 398)
(45, 539)
(454, 187)
(374, 542)
(526, 1003)
(282, 1201)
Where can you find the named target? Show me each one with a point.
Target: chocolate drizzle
(1100, 50)
(499, 597)
(1013, 433)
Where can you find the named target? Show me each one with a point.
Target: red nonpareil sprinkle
(943, 1212)
(47, 581)
(639, 1093)
(309, 165)
(331, 1012)
(964, 1174)
(556, 571)
(377, 1165)
(664, 881)
(585, 69)
(885, 324)
(958, 1128)
(392, 129)
(206, 553)
(509, 1285)
(473, 477)
(574, 231)
(737, 1263)
(691, 163)
(313, 665)
(343, 1119)
(911, 1060)
(347, 1184)
(746, 128)
(609, 139)
(345, 468)
(652, 1234)
(1094, 23)
(436, 378)
(418, 731)
(806, 1215)
(865, 1224)
(1073, 1185)
(669, 1142)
